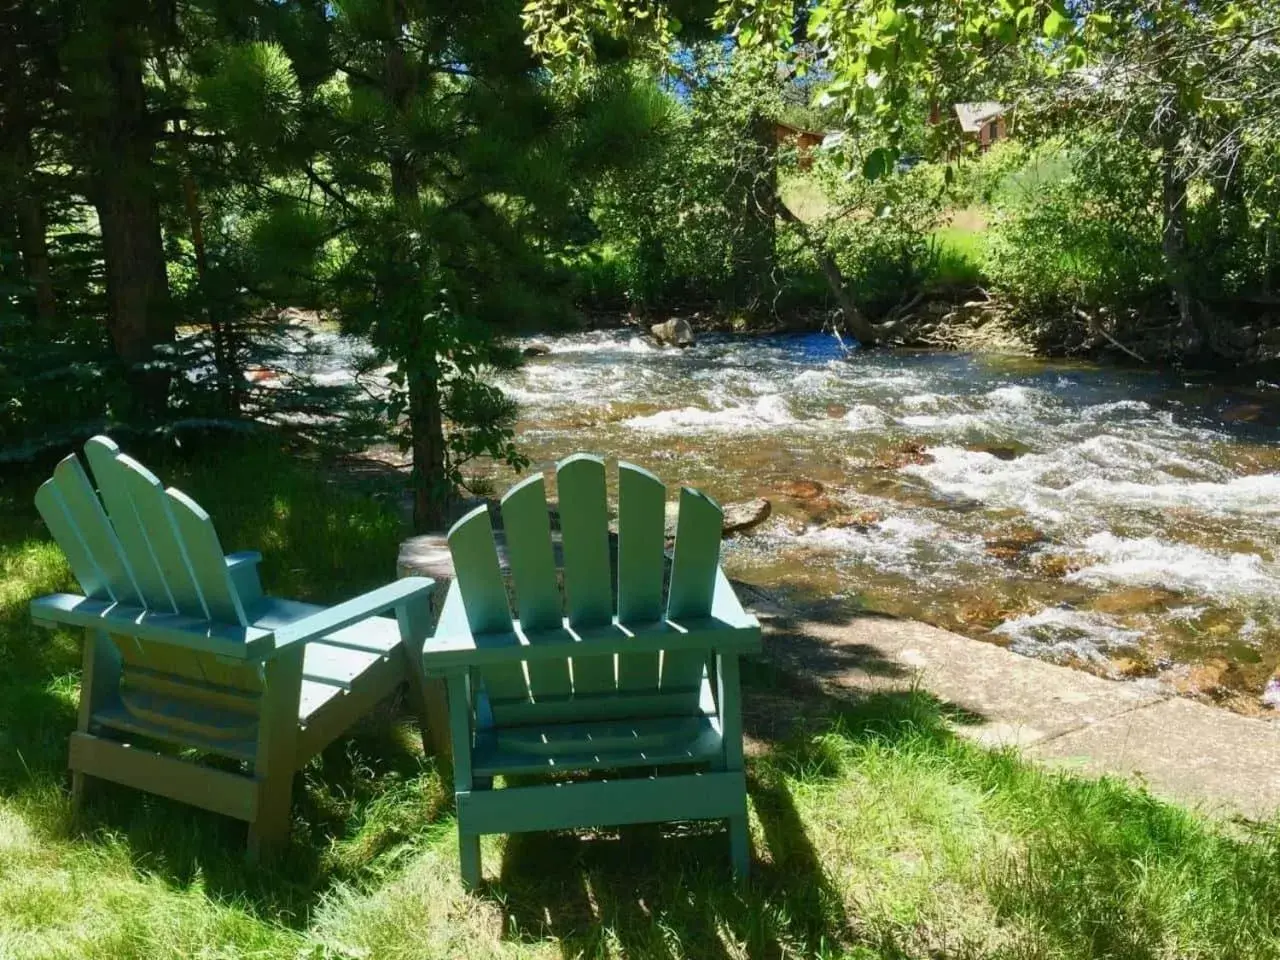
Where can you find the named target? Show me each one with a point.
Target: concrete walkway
(1211, 758)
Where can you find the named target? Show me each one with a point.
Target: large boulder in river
(675, 332)
(740, 517)
(536, 349)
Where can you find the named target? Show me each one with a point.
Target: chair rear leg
(79, 783)
(469, 858)
(269, 830)
(740, 846)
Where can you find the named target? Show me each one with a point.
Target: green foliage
(253, 91)
(879, 230)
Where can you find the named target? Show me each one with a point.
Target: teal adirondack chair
(182, 648)
(640, 686)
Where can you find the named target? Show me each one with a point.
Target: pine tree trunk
(426, 423)
(430, 487)
(26, 203)
(122, 139)
(33, 235)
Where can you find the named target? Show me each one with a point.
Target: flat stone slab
(1211, 758)
(1011, 699)
(1201, 755)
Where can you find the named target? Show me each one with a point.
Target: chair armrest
(225, 640)
(393, 596)
(454, 645)
(726, 606)
(243, 568)
(243, 558)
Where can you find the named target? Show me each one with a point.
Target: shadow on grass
(665, 890)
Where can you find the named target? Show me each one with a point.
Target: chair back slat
(53, 509)
(693, 580)
(85, 513)
(533, 570)
(103, 456)
(160, 526)
(641, 501)
(484, 598)
(584, 527)
(207, 562)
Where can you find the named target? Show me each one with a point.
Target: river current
(1122, 521)
(1126, 522)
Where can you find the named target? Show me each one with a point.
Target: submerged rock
(800, 489)
(1135, 600)
(677, 332)
(1012, 542)
(1011, 451)
(741, 517)
(857, 521)
(907, 453)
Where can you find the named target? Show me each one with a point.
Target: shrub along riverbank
(877, 833)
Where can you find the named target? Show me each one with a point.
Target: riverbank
(970, 318)
(1143, 731)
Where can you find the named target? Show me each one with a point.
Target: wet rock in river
(1013, 542)
(1001, 451)
(1135, 600)
(677, 332)
(907, 453)
(1058, 565)
(1210, 678)
(741, 517)
(800, 489)
(536, 349)
(837, 410)
(864, 520)
(1132, 667)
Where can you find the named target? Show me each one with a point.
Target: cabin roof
(973, 115)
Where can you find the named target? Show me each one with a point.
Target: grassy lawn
(877, 833)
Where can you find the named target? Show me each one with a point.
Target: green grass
(961, 249)
(877, 832)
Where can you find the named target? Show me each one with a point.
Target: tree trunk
(430, 486)
(858, 325)
(431, 489)
(33, 235)
(1173, 237)
(754, 273)
(122, 139)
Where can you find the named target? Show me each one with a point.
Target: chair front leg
(463, 782)
(276, 758)
(729, 702)
(427, 694)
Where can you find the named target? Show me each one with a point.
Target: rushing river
(1122, 521)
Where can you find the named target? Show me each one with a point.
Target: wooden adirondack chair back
(640, 684)
(147, 547)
